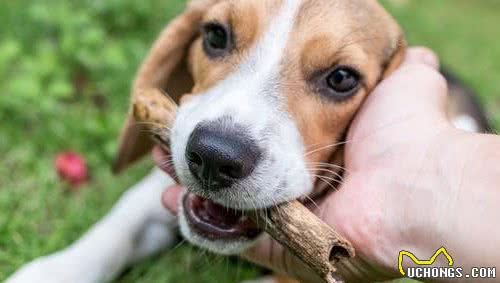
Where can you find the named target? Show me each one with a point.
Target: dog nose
(218, 156)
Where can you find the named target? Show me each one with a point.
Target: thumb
(417, 83)
(415, 89)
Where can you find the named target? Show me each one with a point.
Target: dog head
(268, 89)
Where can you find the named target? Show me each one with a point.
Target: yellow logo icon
(442, 250)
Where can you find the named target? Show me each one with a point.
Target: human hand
(389, 196)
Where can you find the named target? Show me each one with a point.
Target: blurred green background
(65, 72)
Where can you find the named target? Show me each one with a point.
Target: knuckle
(427, 76)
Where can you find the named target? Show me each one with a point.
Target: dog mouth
(216, 222)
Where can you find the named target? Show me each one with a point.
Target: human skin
(412, 182)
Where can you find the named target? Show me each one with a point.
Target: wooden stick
(291, 224)
(306, 236)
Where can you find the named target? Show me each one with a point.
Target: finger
(170, 198)
(416, 87)
(423, 88)
(419, 71)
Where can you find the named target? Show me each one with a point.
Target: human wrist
(430, 195)
(464, 219)
(474, 182)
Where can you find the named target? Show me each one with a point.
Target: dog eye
(216, 39)
(343, 80)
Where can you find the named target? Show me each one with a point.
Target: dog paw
(57, 268)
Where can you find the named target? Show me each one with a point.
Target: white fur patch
(251, 97)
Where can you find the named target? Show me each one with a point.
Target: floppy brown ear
(164, 68)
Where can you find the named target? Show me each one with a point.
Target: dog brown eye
(343, 80)
(216, 39)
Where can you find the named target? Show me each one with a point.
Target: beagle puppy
(266, 90)
(272, 83)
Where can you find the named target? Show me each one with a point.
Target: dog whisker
(311, 200)
(337, 169)
(329, 178)
(327, 171)
(325, 147)
(312, 146)
(329, 184)
(325, 164)
(166, 163)
(332, 170)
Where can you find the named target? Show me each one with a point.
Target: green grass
(463, 33)
(65, 71)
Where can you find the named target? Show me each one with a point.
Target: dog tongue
(217, 222)
(220, 214)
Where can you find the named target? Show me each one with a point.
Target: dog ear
(164, 68)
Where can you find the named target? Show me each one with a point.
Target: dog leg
(137, 226)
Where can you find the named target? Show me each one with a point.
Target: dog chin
(222, 225)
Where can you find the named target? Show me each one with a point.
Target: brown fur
(358, 33)
(164, 60)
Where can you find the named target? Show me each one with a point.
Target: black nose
(219, 156)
